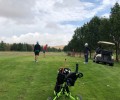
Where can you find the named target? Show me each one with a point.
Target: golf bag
(65, 79)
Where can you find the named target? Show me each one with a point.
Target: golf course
(23, 79)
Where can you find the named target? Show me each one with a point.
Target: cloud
(46, 38)
(44, 20)
(110, 2)
(63, 10)
(18, 10)
(106, 15)
(25, 11)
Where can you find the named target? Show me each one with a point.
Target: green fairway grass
(23, 79)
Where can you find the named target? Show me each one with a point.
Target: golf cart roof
(105, 42)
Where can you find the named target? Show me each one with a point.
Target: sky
(51, 22)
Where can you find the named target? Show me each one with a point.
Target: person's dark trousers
(86, 58)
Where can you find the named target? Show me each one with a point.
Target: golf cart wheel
(49, 98)
(105, 63)
(78, 97)
(111, 64)
(97, 61)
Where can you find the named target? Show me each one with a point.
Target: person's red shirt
(45, 47)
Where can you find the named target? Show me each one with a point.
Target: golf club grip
(76, 70)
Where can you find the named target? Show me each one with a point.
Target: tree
(115, 26)
(107, 29)
(14, 47)
(2, 46)
(104, 30)
(93, 28)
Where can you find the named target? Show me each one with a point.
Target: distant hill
(59, 47)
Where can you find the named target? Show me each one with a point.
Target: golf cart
(104, 55)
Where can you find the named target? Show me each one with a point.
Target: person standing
(44, 50)
(86, 53)
(37, 50)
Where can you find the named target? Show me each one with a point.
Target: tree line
(97, 29)
(23, 47)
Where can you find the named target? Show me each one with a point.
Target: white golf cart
(103, 55)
